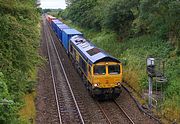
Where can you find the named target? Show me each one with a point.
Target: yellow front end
(106, 75)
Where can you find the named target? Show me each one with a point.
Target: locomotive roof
(89, 51)
(71, 31)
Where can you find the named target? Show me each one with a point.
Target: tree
(119, 16)
(161, 17)
(81, 12)
(69, 2)
(46, 10)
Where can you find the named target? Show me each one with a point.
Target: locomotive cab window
(99, 70)
(114, 69)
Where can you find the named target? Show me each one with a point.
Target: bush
(19, 42)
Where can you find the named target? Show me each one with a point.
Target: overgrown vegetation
(19, 41)
(133, 30)
(28, 111)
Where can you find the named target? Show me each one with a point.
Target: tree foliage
(158, 17)
(161, 17)
(82, 14)
(46, 10)
(69, 2)
(19, 39)
(119, 16)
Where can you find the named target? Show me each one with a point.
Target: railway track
(108, 108)
(129, 118)
(68, 110)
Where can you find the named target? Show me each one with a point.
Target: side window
(74, 53)
(71, 48)
(83, 65)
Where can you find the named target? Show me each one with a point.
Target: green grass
(28, 112)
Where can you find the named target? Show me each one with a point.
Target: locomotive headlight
(118, 83)
(95, 85)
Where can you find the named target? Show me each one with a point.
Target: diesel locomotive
(101, 73)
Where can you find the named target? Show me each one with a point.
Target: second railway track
(67, 108)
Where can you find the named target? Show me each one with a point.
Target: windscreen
(99, 70)
(114, 69)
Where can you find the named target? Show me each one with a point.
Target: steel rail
(132, 122)
(52, 74)
(104, 113)
(124, 112)
(75, 101)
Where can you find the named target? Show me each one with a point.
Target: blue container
(67, 34)
(54, 23)
(56, 27)
(60, 27)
